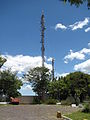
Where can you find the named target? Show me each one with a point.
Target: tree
(2, 61)
(39, 78)
(75, 85)
(78, 2)
(58, 89)
(9, 84)
(79, 85)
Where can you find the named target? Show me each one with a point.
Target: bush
(87, 98)
(51, 101)
(68, 101)
(64, 102)
(77, 102)
(36, 100)
(86, 108)
(2, 98)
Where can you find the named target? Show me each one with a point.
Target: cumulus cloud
(63, 74)
(26, 87)
(80, 24)
(49, 59)
(74, 55)
(79, 55)
(87, 29)
(75, 26)
(22, 64)
(88, 44)
(57, 75)
(85, 51)
(60, 26)
(84, 66)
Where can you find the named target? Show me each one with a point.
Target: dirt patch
(33, 112)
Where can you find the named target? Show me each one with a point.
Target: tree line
(75, 85)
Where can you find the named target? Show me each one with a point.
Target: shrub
(51, 101)
(36, 100)
(86, 108)
(2, 98)
(68, 101)
(87, 98)
(64, 102)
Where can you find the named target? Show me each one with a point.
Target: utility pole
(53, 69)
(42, 37)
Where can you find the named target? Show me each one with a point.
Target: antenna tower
(42, 38)
(53, 69)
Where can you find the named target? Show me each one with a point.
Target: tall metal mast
(42, 38)
(53, 69)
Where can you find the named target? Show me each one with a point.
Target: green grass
(79, 116)
(2, 105)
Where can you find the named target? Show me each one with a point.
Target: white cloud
(74, 55)
(87, 29)
(26, 87)
(66, 61)
(63, 74)
(49, 59)
(75, 26)
(21, 63)
(88, 44)
(85, 51)
(79, 55)
(80, 24)
(26, 90)
(57, 75)
(60, 26)
(84, 66)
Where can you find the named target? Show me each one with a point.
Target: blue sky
(67, 35)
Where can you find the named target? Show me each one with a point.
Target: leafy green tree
(53, 89)
(9, 84)
(78, 84)
(2, 61)
(75, 85)
(39, 78)
(77, 2)
(58, 89)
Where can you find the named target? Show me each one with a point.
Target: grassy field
(79, 116)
